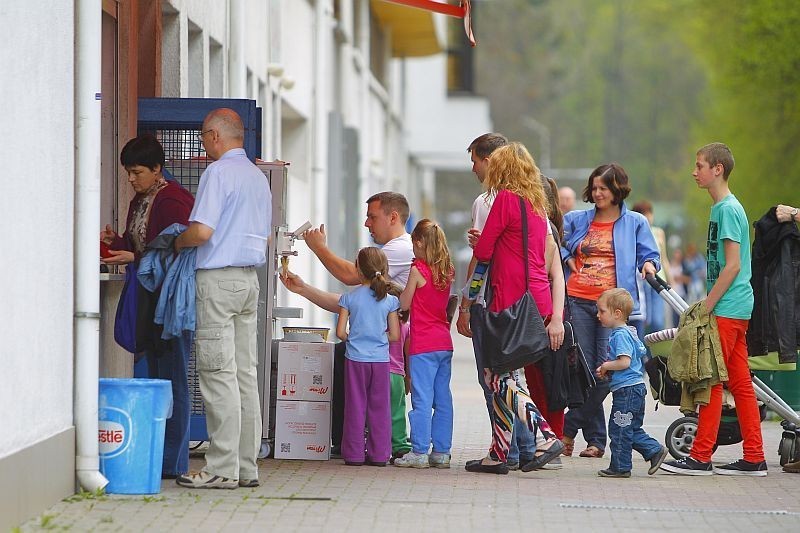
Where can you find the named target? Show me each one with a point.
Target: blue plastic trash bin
(133, 414)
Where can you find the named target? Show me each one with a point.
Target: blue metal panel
(188, 114)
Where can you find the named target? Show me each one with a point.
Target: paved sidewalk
(328, 496)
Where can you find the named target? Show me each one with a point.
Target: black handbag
(515, 336)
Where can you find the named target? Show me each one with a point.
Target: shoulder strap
(524, 239)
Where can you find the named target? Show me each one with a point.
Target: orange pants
(734, 352)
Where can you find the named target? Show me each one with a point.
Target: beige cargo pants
(227, 359)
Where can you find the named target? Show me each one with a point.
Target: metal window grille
(186, 159)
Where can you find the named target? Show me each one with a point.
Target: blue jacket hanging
(161, 268)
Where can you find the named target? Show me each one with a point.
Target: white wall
(440, 126)
(37, 187)
(284, 32)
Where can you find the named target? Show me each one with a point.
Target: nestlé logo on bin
(114, 431)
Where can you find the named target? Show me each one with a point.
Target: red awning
(462, 11)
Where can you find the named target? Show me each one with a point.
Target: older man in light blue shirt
(229, 225)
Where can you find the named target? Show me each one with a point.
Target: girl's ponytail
(373, 266)
(379, 285)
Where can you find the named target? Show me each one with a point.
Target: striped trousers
(510, 399)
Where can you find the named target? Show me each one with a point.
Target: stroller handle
(657, 283)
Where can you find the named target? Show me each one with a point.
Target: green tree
(751, 49)
(647, 82)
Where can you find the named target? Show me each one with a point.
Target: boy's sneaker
(656, 460)
(439, 460)
(204, 480)
(742, 468)
(688, 467)
(613, 473)
(413, 460)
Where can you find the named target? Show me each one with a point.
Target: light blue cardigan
(632, 240)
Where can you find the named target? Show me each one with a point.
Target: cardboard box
(303, 430)
(305, 371)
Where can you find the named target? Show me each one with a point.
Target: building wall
(37, 269)
(459, 118)
(326, 72)
(37, 187)
(306, 69)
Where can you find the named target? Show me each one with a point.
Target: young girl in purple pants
(370, 310)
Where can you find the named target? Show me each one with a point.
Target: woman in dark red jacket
(158, 204)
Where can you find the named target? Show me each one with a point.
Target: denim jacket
(175, 276)
(632, 240)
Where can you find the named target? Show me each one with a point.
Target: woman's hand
(108, 235)
(572, 265)
(648, 268)
(118, 257)
(555, 330)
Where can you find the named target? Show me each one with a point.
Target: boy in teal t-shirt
(730, 299)
(729, 221)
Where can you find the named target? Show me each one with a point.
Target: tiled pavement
(328, 496)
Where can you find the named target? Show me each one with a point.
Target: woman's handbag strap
(524, 239)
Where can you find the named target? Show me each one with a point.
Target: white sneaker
(412, 460)
(439, 460)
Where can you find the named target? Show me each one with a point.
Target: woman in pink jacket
(512, 174)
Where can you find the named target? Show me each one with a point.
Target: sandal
(569, 446)
(543, 457)
(592, 451)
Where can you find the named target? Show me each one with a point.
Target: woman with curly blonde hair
(515, 181)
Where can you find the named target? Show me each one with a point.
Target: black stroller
(680, 434)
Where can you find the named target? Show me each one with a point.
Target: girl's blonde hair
(433, 242)
(512, 168)
(373, 265)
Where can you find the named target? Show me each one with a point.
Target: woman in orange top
(604, 247)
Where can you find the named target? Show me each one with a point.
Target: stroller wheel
(787, 449)
(680, 436)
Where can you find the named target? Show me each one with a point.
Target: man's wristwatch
(793, 213)
(463, 309)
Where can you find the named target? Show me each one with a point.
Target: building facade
(338, 82)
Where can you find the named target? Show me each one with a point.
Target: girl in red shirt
(430, 350)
